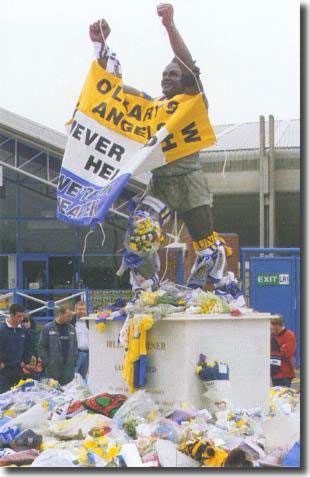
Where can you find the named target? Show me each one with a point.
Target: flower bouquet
(209, 303)
(144, 234)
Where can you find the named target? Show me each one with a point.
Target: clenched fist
(99, 34)
(165, 11)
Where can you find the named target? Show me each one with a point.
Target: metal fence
(42, 304)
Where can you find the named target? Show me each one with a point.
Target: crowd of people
(59, 350)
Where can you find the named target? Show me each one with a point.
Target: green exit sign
(275, 279)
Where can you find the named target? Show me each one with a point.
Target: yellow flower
(9, 412)
(83, 457)
(99, 452)
(41, 447)
(50, 445)
(100, 327)
(148, 298)
(45, 404)
(90, 444)
(211, 364)
(112, 452)
(240, 423)
(272, 408)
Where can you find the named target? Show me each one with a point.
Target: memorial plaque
(173, 347)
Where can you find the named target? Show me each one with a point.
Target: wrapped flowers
(144, 234)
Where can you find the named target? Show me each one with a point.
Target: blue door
(33, 272)
(274, 288)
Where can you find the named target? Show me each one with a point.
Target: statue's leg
(199, 223)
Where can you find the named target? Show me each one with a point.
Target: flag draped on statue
(114, 135)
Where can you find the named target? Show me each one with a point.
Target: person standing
(29, 324)
(81, 328)
(15, 348)
(58, 346)
(283, 347)
(33, 370)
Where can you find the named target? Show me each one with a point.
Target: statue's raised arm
(190, 72)
(99, 32)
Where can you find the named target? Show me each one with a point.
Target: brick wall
(170, 262)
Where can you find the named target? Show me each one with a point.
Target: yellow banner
(185, 117)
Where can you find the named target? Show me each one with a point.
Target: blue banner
(83, 203)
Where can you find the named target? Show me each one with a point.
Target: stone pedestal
(174, 345)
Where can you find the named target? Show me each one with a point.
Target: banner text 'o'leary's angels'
(138, 118)
(106, 139)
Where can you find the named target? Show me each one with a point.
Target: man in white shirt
(81, 328)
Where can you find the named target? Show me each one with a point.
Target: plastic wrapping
(139, 403)
(54, 458)
(281, 431)
(24, 401)
(170, 456)
(35, 416)
(94, 440)
(77, 389)
(60, 410)
(209, 302)
(179, 415)
(168, 429)
(131, 456)
(78, 426)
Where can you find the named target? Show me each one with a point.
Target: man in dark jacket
(15, 348)
(58, 346)
(283, 347)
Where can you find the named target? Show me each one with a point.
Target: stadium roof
(245, 136)
(242, 136)
(32, 130)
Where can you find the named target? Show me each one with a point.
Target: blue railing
(48, 306)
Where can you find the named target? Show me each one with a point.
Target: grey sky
(248, 53)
